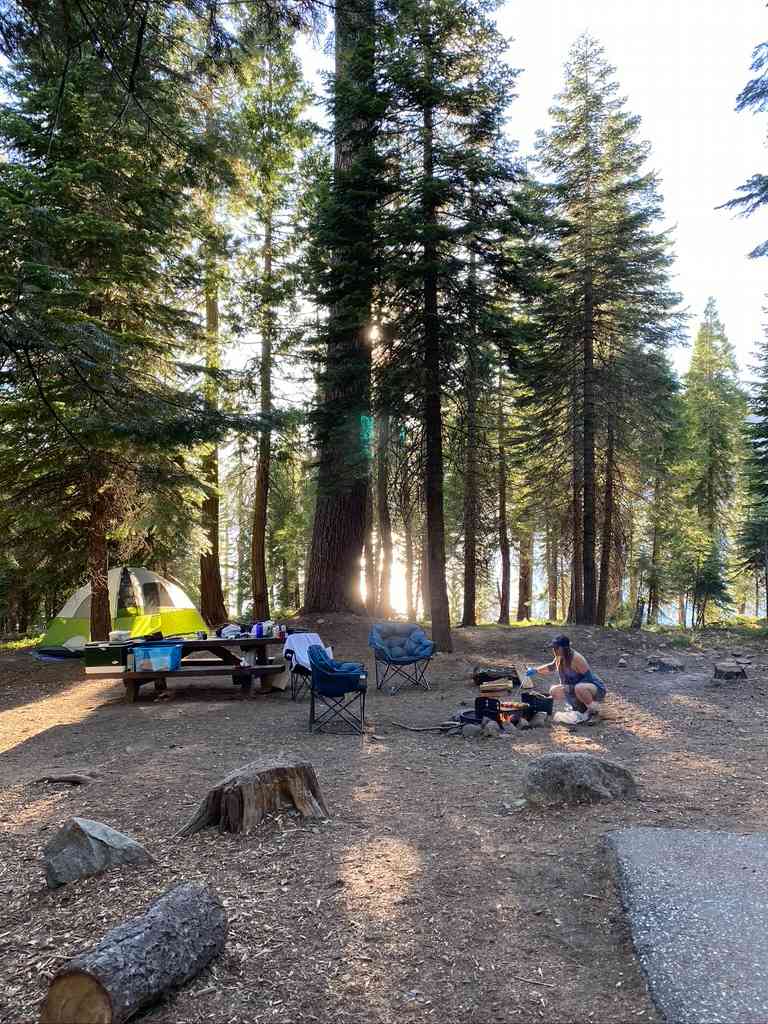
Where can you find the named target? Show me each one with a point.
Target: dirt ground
(428, 895)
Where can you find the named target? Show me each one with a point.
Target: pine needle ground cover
(428, 895)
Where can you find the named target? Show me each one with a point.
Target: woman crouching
(579, 687)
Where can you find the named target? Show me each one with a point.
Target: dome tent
(140, 601)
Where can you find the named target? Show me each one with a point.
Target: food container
(157, 658)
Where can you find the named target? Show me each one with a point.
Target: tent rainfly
(139, 601)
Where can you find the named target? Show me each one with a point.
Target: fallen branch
(74, 778)
(417, 728)
(530, 981)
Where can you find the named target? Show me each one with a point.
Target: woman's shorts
(573, 700)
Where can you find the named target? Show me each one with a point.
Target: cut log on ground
(245, 797)
(730, 670)
(135, 964)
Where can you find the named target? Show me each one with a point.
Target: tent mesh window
(127, 598)
(156, 597)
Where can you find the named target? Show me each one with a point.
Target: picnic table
(225, 662)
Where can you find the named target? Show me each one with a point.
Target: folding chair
(295, 653)
(338, 688)
(404, 652)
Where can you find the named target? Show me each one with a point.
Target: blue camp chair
(339, 687)
(403, 650)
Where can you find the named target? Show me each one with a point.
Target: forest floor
(428, 895)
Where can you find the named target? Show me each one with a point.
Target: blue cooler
(156, 658)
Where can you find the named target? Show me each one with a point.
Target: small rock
(523, 723)
(622, 662)
(576, 779)
(664, 663)
(540, 720)
(82, 848)
(470, 731)
(491, 728)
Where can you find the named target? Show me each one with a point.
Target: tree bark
(385, 520)
(576, 604)
(99, 515)
(588, 468)
(261, 492)
(469, 612)
(426, 605)
(525, 576)
(338, 529)
(433, 419)
(136, 963)
(241, 801)
(212, 607)
(607, 540)
(504, 547)
(369, 558)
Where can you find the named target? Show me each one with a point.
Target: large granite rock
(576, 779)
(82, 848)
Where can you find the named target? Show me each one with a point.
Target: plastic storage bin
(157, 658)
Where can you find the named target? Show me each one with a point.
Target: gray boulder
(82, 848)
(576, 779)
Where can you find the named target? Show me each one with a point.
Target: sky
(681, 65)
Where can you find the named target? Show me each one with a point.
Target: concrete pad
(697, 904)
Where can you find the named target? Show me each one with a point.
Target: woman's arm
(580, 664)
(545, 670)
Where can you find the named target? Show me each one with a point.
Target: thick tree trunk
(385, 520)
(99, 516)
(588, 468)
(433, 419)
(241, 801)
(212, 607)
(261, 492)
(338, 530)
(504, 546)
(607, 540)
(135, 964)
(469, 612)
(369, 557)
(525, 576)
(576, 603)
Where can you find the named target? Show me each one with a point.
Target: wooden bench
(242, 675)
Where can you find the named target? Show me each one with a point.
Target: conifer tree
(609, 301)
(345, 234)
(93, 245)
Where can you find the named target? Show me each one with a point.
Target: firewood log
(139, 961)
(246, 796)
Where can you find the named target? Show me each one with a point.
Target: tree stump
(730, 670)
(246, 796)
(136, 963)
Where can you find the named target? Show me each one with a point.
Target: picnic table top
(197, 644)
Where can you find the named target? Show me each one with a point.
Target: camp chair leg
(410, 675)
(338, 707)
